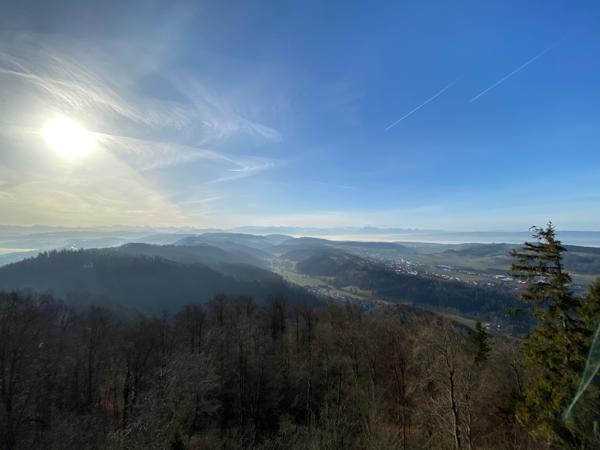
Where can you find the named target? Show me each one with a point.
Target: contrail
(507, 76)
(430, 99)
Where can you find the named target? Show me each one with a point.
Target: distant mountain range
(46, 238)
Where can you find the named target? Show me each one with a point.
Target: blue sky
(280, 113)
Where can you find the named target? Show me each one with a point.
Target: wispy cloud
(429, 100)
(71, 85)
(200, 201)
(514, 72)
(244, 171)
(139, 134)
(146, 154)
(216, 114)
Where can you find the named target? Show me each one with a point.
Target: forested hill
(201, 254)
(149, 284)
(346, 269)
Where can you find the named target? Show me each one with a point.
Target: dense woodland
(235, 373)
(144, 283)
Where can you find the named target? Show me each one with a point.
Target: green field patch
(460, 319)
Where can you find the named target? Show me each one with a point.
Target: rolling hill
(344, 269)
(149, 284)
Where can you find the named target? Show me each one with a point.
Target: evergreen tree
(554, 348)
(176, 441)
(589, 311)
(480, 342)
(584, 414)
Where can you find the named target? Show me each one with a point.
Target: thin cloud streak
(517, 70)
(147, 154)
(200, 201)
(74, 86)
(430, 99)
(245, 171)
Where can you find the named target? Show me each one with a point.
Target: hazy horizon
(14, 233)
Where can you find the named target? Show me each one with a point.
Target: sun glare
(68, 138)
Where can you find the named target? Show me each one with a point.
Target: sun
(68, 138)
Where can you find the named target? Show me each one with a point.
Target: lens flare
(592, 365)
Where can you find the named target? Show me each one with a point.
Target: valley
(465, 282)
